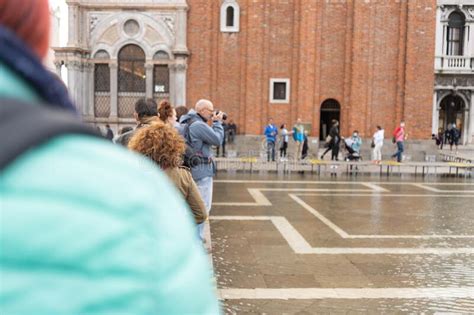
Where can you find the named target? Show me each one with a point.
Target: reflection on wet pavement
(250, 254)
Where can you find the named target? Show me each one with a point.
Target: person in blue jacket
(86, 227)
(270, 133)
(298, 136)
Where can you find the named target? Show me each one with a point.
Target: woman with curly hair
(167, 113)
(161, 143)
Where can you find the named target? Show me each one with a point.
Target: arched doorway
(330, 109)
(131, 79)
(452, 111)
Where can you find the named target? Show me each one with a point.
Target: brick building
(366, 62)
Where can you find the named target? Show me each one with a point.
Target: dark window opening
(161, 79)
(131, 74)
(101, 77)
(229, 17)
(455, 34)
(279, 91)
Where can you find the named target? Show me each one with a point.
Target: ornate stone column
(439, 39)
(113, 88)
(435, 117)
(149, 79)
(89, 89)
(181, 22)
(178, 80)
(470, 47)
(58, 66)
(74, 83)
(470, 134)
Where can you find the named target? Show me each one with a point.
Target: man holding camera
(200, 138)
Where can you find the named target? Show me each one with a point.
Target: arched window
(131, 79)
(230, 16)
(131, 74)
(101, 84)
(161, 55)
(455, 34)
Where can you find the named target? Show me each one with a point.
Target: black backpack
(24, 126)
(192, 157)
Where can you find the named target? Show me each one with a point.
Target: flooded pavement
(310, 245)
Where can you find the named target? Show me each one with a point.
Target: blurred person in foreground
(71, 243)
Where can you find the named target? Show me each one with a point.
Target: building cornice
(130, 4)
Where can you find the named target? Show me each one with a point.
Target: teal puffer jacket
(89, 228)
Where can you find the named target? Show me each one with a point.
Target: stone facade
(453, 97)
(99, 30)
(374, 58)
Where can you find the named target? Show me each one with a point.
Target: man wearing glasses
(200, 137)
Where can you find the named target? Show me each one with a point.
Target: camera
(224, 115)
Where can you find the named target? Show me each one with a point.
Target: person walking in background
(146, 113)
(271, 133)
(224, 140)
(232, 131)
(336, 136)
(86, 225)
(284, 142)
(298, 136)
(109, 135)
(161, 143)
(356, 142)
(399, 137)
(454, 136)
(332, 141)
(377, 144)
(440, 138)
(305, 149)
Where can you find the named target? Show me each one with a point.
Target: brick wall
(375, 57)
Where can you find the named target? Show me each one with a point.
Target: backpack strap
(24, 126)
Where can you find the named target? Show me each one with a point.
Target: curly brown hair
(165, 110)
(161, 143)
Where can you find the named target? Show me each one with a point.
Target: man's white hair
(202, 103)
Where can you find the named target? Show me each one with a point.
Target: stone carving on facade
(169, 21)
(178, 66)
(458, 80)
(447, 10)
(131, 27)
(161, 55)
(74, 65)
(465, 94)
(470, 12)
(95, 18)
(93, 22)
(88, 66)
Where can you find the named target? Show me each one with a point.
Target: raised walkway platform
(386, 168)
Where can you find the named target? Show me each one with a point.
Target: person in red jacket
(399, 137)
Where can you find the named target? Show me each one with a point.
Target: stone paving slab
(254, 254)
(349, 307)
